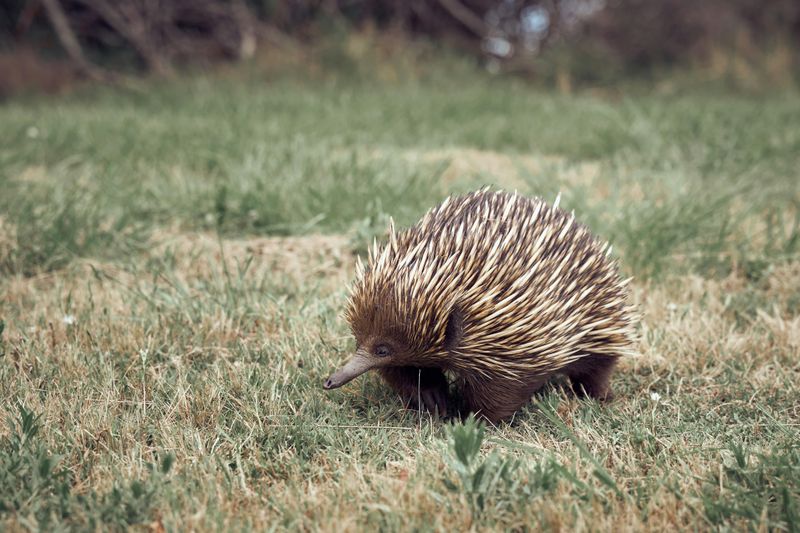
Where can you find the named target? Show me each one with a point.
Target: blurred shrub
(641, 34)
(588, 40)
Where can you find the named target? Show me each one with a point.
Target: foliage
(756, 485)
(35, 484)
(484, 481)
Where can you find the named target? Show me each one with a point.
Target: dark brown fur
(428, 388)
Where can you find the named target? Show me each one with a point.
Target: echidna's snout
(360, 363)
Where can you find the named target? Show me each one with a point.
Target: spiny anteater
(498, 290)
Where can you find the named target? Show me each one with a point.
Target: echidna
(497, 290)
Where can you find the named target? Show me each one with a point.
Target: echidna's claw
(435, 400)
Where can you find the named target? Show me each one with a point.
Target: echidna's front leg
(426, 387)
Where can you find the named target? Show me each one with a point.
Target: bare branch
(465, 16)
(130, 23)
(66, 37)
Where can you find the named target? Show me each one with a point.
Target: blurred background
(48, 44)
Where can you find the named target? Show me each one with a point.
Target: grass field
(174, 262)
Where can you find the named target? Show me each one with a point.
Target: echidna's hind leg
(497, 399)
(419, 387)
(590, 375)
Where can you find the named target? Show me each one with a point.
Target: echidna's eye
(382, 350)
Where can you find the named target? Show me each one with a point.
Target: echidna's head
(398, 312)
(382, 338)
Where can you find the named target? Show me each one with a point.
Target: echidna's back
(535, 288)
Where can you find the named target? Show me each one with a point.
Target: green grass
(286, 158)
(174, 265)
